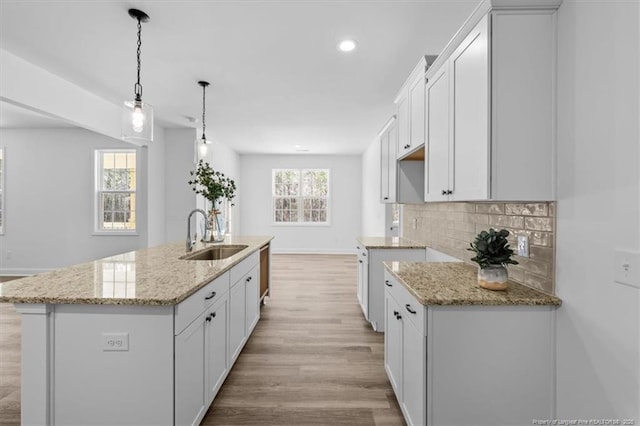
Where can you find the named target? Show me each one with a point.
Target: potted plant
(213, 186)
(493, 255)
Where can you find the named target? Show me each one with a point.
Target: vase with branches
(214, 186)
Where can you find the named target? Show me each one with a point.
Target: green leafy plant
(492, 248)
(211, 184)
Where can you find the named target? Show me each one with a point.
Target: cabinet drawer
(411, 309)
(242, 268)
(190, 308)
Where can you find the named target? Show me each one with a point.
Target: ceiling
(277, 79)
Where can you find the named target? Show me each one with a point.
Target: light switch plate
(523, 245)
(115, 341)
(626, 267)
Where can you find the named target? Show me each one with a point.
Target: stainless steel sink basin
(215, 252)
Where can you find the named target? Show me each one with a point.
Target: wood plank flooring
(312, 359)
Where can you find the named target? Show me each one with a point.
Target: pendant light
(203, 149)
(137, 116)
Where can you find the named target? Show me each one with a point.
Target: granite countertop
(456, 283)
(152, 276)
(389, 243)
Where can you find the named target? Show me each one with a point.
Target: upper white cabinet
(410, 104)
(490, 102)
(388, 169)
(437, 170)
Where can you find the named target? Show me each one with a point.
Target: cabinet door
(384, 167)
(402, 124)
(252, 300)
(414, 373)
(393, 344)
(190, 401)
(237, 318)
(216, 347)
(469, 67)
(416, 112)
(436, 170)
(392, 166)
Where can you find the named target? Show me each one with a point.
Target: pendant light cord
(137, 88)
(204, 125)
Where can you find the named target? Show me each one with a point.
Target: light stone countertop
(389, 243)
(456, 283)
(152, 276)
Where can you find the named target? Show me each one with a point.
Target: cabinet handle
(213, 315)
(398, 316)
(409, 308)
(395, 314)
(211, 296)
(360, 260)
(208, 318)
(387, 283)
(385, 198)
(444, 192)
(248, 279)
(449, 192)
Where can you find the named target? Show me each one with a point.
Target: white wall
(49, 200)
(179, 198)
(256, 215)
(598, 331)
(156, 188)
(373, 211)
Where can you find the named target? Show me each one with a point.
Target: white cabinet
(388, 169)
(490, 95)
(211, 328)
(217, 360)
(410, 108)
(371, 278)
(436, 182)
(393, 344)
(190, 399)
(252, 300)
(200, 347)
(468, 356)
(237, 319)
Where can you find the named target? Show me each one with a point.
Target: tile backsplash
(450, 227)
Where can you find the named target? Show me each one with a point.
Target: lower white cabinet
(371, 278)
(206, 347)
(469, 364)
(201, 363)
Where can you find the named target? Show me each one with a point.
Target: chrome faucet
(191, 242)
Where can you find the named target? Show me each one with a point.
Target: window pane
(118, 184)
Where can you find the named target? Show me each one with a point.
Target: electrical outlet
(523, 245)
(626, 267)
(115, 341)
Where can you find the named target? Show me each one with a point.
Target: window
(116, 190)
(1, 190)
(301, 196)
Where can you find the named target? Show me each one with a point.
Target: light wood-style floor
(312, 358)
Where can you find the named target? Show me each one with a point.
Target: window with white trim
(300, 196)
(1, 190)
(116, 190)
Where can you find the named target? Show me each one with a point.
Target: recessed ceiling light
(347, 45)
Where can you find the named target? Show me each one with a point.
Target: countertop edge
(49, 300)
(545, 299)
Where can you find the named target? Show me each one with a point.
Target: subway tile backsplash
(450, 227)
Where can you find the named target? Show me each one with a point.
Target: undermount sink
(215, 252)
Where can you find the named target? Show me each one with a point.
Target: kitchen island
(457, 354)
(144, 337)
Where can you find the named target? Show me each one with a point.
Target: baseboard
(23, 272)
(312, 251)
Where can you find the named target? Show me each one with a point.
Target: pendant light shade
(137, 116)
(202, 143)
